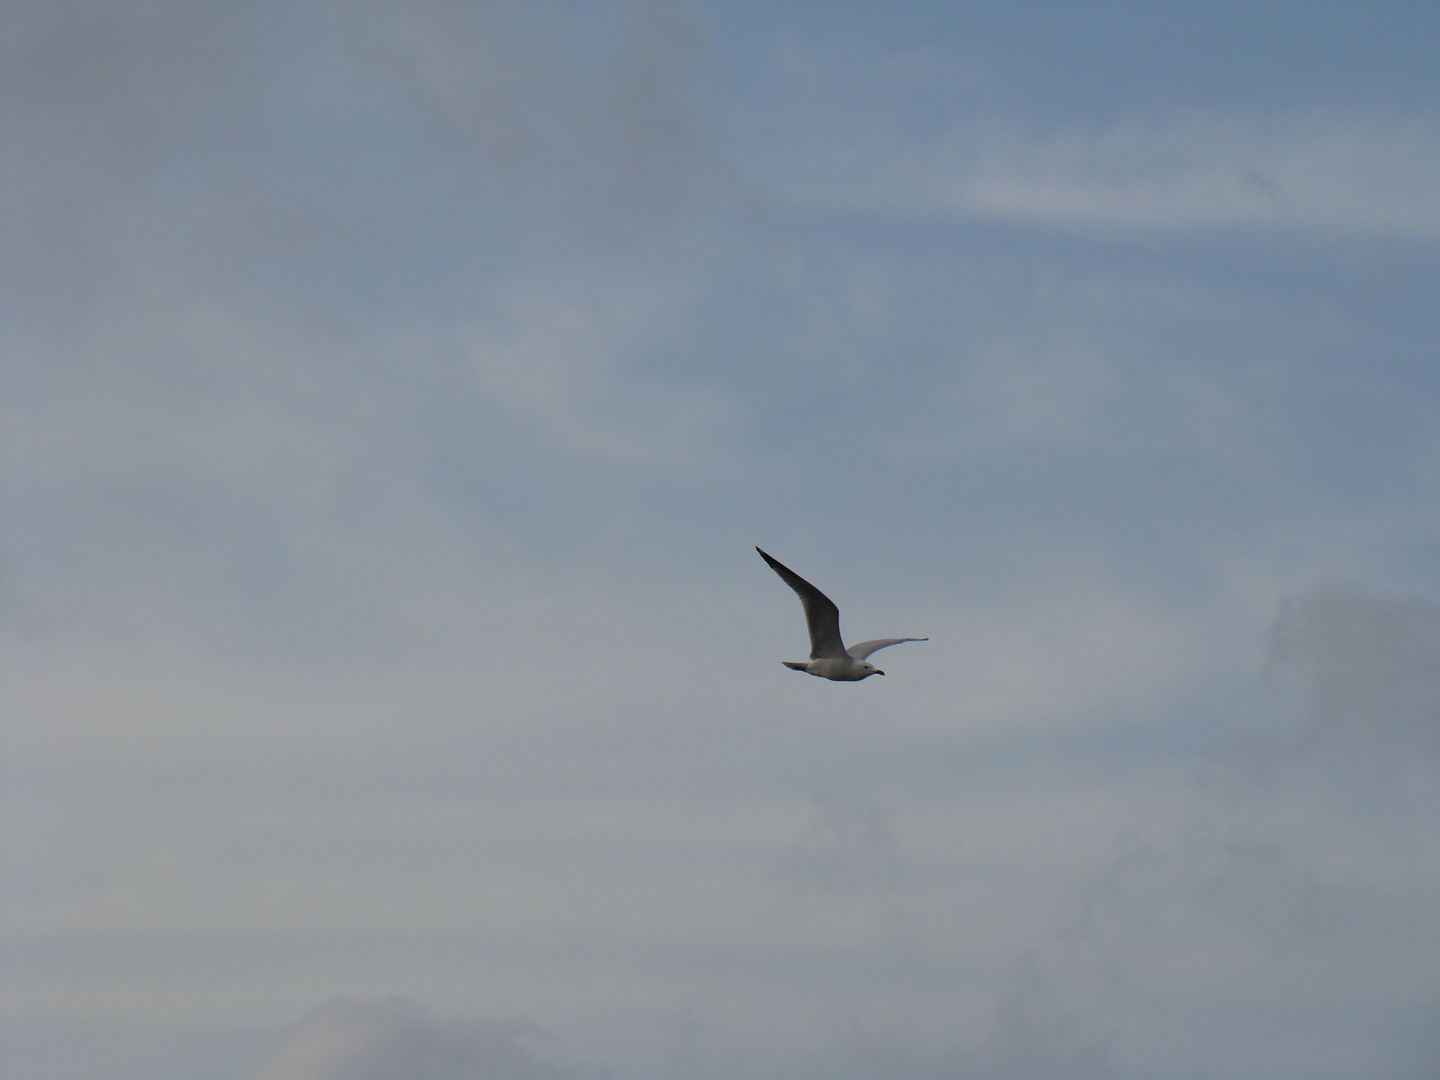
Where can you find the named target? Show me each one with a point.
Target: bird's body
(829, 659)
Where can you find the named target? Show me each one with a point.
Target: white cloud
(1176, 171)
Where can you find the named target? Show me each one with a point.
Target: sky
(394, 395)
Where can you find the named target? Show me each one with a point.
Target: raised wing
(865, 648)
(821, 614)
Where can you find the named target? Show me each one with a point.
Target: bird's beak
(879, 672)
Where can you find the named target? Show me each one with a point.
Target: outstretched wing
(821, 614)
(865, 648)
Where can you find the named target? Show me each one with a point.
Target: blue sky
(393, 397)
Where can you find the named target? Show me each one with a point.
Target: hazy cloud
(849, 846)
(1024, 1038)
(1282, 851)
(393, 394)
(596, 117)
(559, 363)
(397, 1040)
(1369, 671)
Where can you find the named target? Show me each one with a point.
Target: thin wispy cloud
(1340, 175)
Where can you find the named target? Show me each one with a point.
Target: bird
(829, 659)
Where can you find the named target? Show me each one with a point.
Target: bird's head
(869, 669)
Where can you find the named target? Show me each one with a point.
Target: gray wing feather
(821, 615)
(865, 648)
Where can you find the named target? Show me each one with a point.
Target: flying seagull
(829, 658)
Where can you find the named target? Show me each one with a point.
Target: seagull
(829, 659)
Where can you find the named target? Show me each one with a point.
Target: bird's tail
(794, 665)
